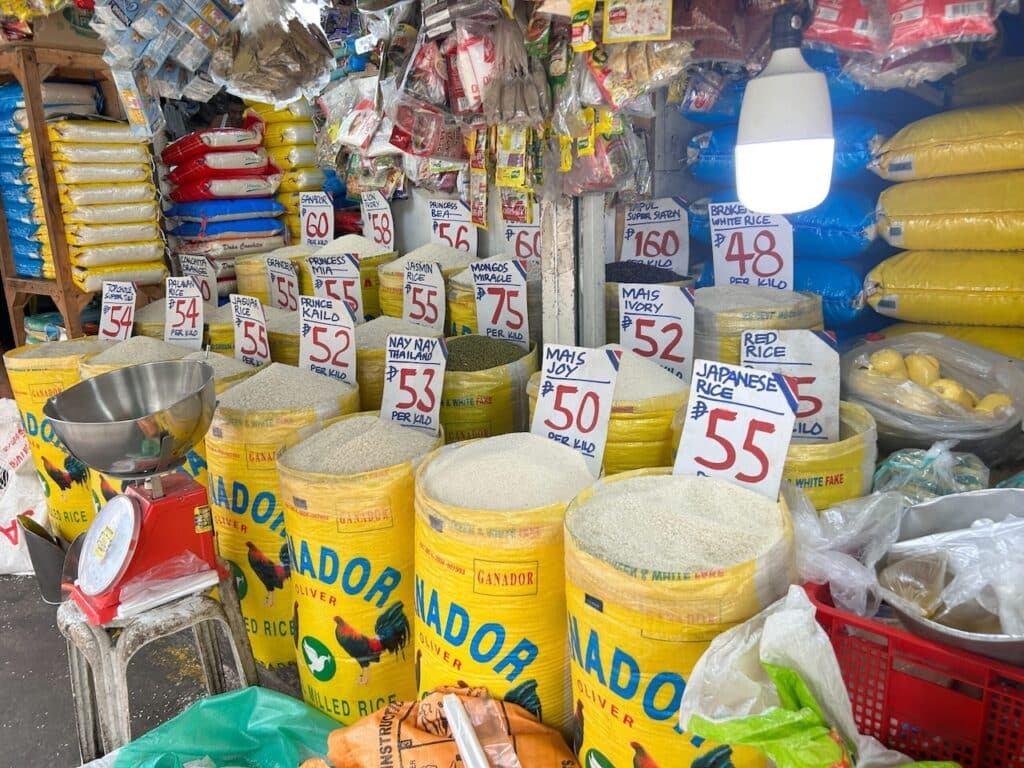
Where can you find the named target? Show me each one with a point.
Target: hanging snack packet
(583, 24)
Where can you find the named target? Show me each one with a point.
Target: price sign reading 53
(656, 321)
(414, 369)
(751, 248)
(738, 426)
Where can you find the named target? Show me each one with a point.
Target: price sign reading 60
(316, 216)
(414, 369)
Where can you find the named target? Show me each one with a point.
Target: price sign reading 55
(751, 248)
(738, 426)
(283, 284)
(414, 369)
(423, 295)
(338, 277)
(656, 321)
(251, 345)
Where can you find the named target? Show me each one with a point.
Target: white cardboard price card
(327, 338)
(316, 216)
(658, 232)
(739, 422)
(656, 321)
(282, 284)
(117, 312)
(574, 403)
(201, 270)
(501, 300)
(252, 345)
(522, 241)
(183, 316)
(378, 223)
(810, 362)
(338, 277)
(751, 248)
(452, 225)
(423, 301)
(413, 379)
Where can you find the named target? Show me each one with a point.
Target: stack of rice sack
(289, 140)
(111, 215)
(222, 184)
(26, 224)
(958, 213)
(835, 244)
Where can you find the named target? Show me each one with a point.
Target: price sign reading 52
(751, 248)
(656, 321)
(414, 369)
(327, 338)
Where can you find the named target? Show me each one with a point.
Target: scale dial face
(109, 545)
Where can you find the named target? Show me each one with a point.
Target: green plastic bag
(251, 727)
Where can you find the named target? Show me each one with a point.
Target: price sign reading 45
(282, 284)
(751, 248)
(423, 301)
(657, 232)
(414, 369)
(117, 312)
(738, 426)
(327, 338)
(337, 277)
(574, 403)
(656, 321)
(316, 215)
(810, 362)
(201, 270)
(452, 225)
(501, 310)
(252, 345)
(378, 223)
(183, 317)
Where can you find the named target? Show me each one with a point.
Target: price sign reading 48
(423, 300)
(337, 277)
(574, 403)
(501, 310)
(657, 232)
(117, 312)
(738, 426)
(327, 338)
(378, 223)
(414, 369)
(283, 284)
(252, 345)
(656, 321)
(751, 248)
(183, 317)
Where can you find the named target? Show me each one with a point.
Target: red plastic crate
(926, 700)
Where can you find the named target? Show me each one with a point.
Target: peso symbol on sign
(185, 312)
(382, 226)
(285, 292)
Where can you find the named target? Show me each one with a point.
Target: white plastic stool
(98, 658)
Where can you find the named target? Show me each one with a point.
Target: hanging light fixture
(784, 143)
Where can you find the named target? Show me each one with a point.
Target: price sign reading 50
(738, 426)
(501, 308)
(423, 295)
(117, 312)
(656, 321)
(751, 248)
(414, 369)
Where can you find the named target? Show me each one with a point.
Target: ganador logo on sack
(504, 579)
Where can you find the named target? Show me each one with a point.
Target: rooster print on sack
(272, 575)
(391, 634)
(73, 473)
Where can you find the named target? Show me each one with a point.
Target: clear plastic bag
(925, 66)
(919, 24)
(850, 26)
(924, 475)
(518, 93)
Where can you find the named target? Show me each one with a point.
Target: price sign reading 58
(657, 322)
(252, 345)
(423, 299)
(738, 426)
(501, 309)
(378, 224)
(414, 369)
(751, 248)
(183, 318)
(574, 403)
(117, 312)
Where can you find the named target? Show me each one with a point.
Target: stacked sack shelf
(26, 225)
(222, 184)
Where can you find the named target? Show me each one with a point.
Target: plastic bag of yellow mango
(371, 341)
(481, 402)
(392, 274)
(462, 303)
(271, 410)
(372, 258)
(925, 387)
(37, 372)
(1007, 341)
(347, 494)
(965, 287)
(983, 212)
(962, 141)
(251, 269)
(644, 606)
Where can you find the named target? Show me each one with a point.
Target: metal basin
(136, 421)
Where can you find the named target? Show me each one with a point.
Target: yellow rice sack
(392, 278)
(297, 110)
(251, 270)
(302, 180)
(1008, 341)
(980, 212)
(91, 279)
(962, 141)
(983, 288)
(291, 158)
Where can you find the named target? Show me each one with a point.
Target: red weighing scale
(153, 542)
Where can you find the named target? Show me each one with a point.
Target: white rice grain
(280, 387)
(358, 444)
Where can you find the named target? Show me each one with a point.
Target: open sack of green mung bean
(773, 683)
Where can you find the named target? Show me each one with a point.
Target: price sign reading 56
(117, 312)
(738, 426)
(656, 321)
(252, 346)
(338, 277)
(574, 403)
(283, 284)
(414, 369)
(501, 309)
(378, 223)
(316, 215)
(452, 225)
(327, 338)
(423, 299)
(751, 248)
(183, 317)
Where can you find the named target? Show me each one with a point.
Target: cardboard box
(67, 29)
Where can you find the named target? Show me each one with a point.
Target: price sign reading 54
(414, 369)
(183, 318)
(657, 322)
(738, 426)
(423, 295)
(501, 309)
(117, 313)
(751, 248)
(251, 342)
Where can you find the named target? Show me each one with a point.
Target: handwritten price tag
(183, 316)
(658, 232)
(810, 362)
(574, 404)
(413, 379)
(501, 300)
(316, 215)
(378, 223)
(283, 284)
(751, 248)
(327, 338)
(424, 295)
(523, 240)
(251, 341)
(739, 422)
(452, 225)
(117, 312)
(338, 277)
(201, 270)
(657, 322)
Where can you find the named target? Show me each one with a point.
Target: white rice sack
(114, 213)
(96, 173)
(104, 194)
(100, 153)
(101, 234)
(124, 253)
(94, 132)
